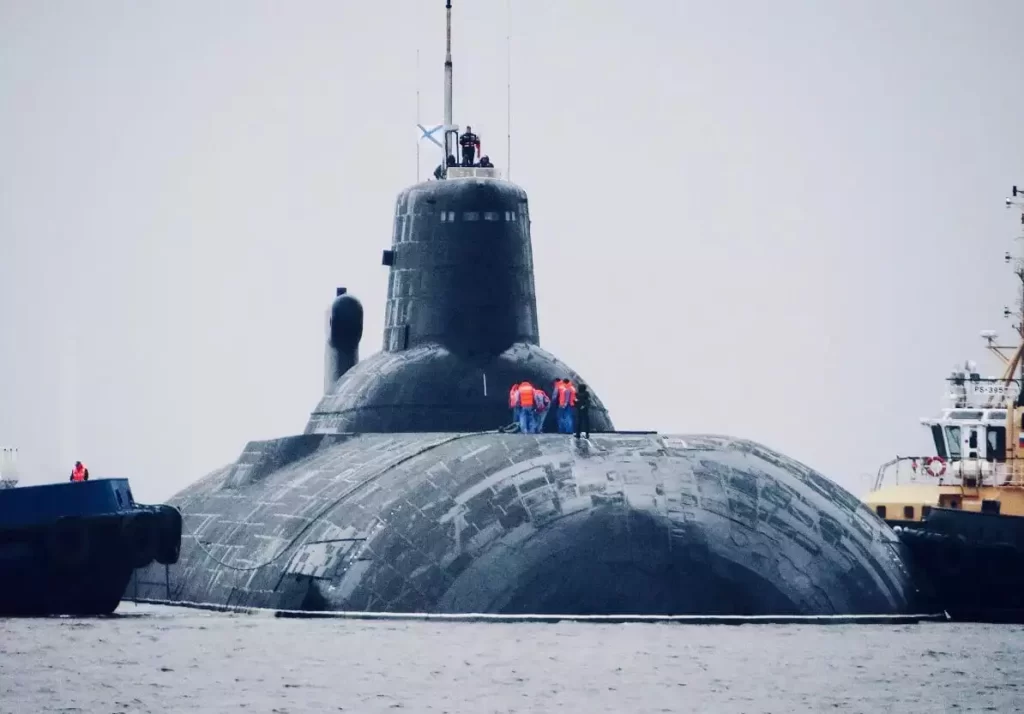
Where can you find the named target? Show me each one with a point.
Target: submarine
(407, 493)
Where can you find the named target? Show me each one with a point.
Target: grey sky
(781, 221)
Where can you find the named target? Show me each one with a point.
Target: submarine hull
(420, 389)
(544, 524)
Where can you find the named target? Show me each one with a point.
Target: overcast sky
(784, 220)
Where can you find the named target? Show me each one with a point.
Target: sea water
(161, 659)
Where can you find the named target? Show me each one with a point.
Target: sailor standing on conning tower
(470, 144)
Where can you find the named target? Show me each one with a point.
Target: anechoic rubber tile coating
(511, 523)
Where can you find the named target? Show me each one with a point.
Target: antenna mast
(508, 88)
(448, 128)
(417, 113)
(1018, 270)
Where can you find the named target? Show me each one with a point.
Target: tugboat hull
(70, 549)
(972, 563)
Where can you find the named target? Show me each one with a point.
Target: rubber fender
(139, 537)
(67, 543)
(169, 541)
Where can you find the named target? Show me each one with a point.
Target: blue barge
(71, 548)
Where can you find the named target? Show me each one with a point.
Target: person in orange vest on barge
(79, 473)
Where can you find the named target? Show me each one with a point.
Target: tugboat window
(880, 510)
(973, 441)
(471, 216)
(996, 438)
(491, 216)
(953, 433)
(940, 444)
(908, 512)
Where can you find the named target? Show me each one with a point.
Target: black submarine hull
(642, 524)
(404, 496)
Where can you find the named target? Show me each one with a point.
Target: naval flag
(433, 133)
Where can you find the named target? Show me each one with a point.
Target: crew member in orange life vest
(79, 473)
(513, 402)
(566, 400)
(557, 396)
(526, 402)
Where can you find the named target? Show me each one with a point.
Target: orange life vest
(526, 394)
(570, 388)
(562, 394)
(512, 393)
(78, 473)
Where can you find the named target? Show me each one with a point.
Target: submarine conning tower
(461, 267)
(460, 324)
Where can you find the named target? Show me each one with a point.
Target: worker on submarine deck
(530, 405)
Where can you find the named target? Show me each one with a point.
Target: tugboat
(960, 510)
(71, 548)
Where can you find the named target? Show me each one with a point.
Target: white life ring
(936, 472)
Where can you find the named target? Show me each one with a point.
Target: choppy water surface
(151, 659)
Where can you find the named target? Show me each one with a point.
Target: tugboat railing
(935, 471)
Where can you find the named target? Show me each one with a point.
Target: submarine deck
(638, 524)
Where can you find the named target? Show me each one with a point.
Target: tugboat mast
(1018, 270)
(1015, 361)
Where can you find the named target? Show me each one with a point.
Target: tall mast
(448, 83)
(1015, 362)
(1019, 272)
